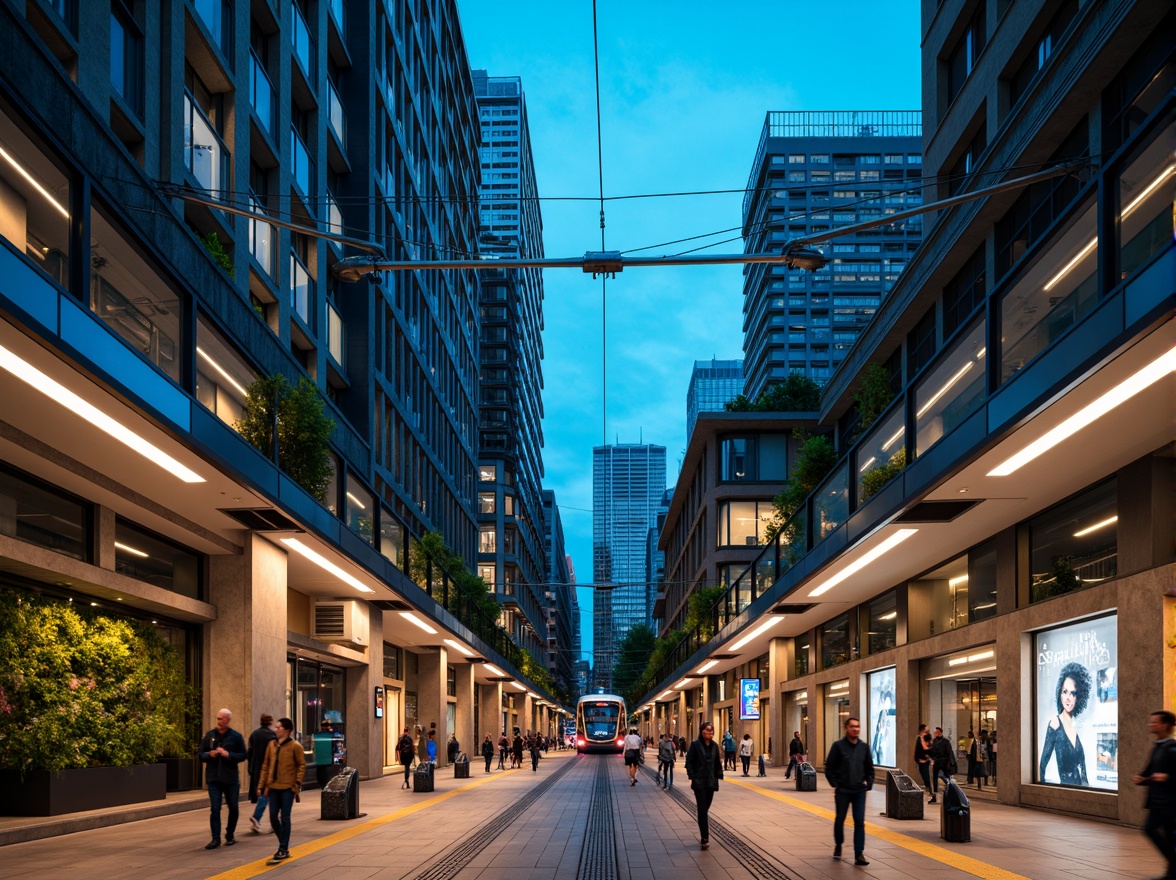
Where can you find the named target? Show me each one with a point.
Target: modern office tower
(561, 607)
(993, 551)
(512, 553)
(136, 312)
(712, 384)
(814, 171)
(655, 558)
(628, 481)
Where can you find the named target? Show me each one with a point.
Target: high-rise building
(655, 558)
(814, 171)
(712, 384)
(628, 481)
(137, 474)
(512, 542)
(563, 612)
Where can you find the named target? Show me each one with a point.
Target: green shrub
(81, 689)
(876, 478)
(220, 256)
(304, 429)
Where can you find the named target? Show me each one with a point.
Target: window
(487, 539)
(982, 583)
(304, 48)
(262, 95)
(486, 502)
(964, 293)
(835, 641)
(487, 473)
(1074, 544)
(391, 538)
(967, 50)
(34, 203)
(950, 392)
(222, 376)
(966, 164)
(1041, 52)
(741, 523)
(146, 557)
(205, 151)
(217, 16)
(800, 650)
(1145, 205)
(301, 165)
(301, 284)
(1140, 88)
(359, 509)
(40, 514)
(132, 298)
(126, 56)
(921, 343)
(336, 336)
(883, 620)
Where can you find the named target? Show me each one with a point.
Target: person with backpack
(407, 751)
(746, 747)
(943, 756)
(665, 761)
(728, 751)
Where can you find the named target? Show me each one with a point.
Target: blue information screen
(749, 692)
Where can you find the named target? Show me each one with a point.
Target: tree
(304, 429)
(814, 461)
(631, 658)
(873, 395)
(797, 393)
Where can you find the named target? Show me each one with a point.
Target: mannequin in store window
(1061, 734)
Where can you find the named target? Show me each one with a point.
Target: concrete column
(527, 714)
(490, 711)
(245, 647)
(432, 669)
(464, 718)
(704, 709)
(365, 732)
(683, 727)
(780, 664)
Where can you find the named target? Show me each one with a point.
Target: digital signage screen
(880, 718)
(749, 691)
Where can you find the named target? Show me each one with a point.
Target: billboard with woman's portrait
(1076, 724)
(880, 731)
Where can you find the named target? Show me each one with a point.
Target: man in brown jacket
(281, 778)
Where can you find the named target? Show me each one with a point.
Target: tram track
(454, 859)
(598, 855)
(758, 865)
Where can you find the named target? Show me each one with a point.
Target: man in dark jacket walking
(259, 741)
(1160, 778)
(704, 768)
(849, 769)
(943, 763)
(795, 753)
(221, 750)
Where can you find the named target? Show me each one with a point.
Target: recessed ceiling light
(861, 562)
(326, 565)
(459, 646)
(758, 631)
(416, 621)
(709, 664)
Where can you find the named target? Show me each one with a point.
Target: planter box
(73, 791)
(183, 774)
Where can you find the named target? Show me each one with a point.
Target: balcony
(336, 115)
(301, 165)
(301, 289)
(217, 16)
(304, 47)
(262, 95)
(207, 156)
(263, 238)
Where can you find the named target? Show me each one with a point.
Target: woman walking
(704, 768)
(487, 751)
(406, 751)
(745, 749)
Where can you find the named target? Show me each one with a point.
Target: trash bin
(904, 798)
(806, 777)
(340, 797)
(422, 777)
(955, 818)
(461, 767)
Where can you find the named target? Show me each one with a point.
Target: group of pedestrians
(277, 768)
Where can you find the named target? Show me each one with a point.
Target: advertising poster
(880, 719)
(749, 691)
(1077, 705)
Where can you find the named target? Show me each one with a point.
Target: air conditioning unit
(341, 620)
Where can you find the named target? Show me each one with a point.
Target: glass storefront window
(982, 583)
(952, 390)
(836, 713)
(835, 641)
(360, 509)
(883, 622)
(146, 557)
(1052, 294)
(1075, 544)
(34, 203)
(801, 646)
(319, 697)
(132, 299)
(33, 512)
(222, 376)
(1145, 201)
(938, 601)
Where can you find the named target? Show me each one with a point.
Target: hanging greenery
(220, 256)
(304, 429)
(873, 395)
(876, 478)
(80, 689)
(814, 461)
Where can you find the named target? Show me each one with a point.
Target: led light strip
(57, 392)
(34, 183)
(1086, 531)
(709, 664)
(1124, 391)
(326, 564)
(224, 374)
(856, 566)
(459, 646)
(416, 621)
(758, 631)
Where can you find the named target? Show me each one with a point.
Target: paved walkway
(580, 818)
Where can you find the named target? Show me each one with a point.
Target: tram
(600, 724)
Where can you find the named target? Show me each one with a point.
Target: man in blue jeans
(849, 769)
(221, 750)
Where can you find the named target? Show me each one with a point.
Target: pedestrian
(452, 748)
(728, 751)
(487, 751)
(516, 751)
(923, 757)
(943, 761)
(282, 775)
(704, 769)
(849, 769)
(406, 751)
(795, 755)
(431, 747)
(221, 750)
(665, 761)
(746, 746)
(633, 746)
(422, 750)
(536, 748)
(255, 756)
(970, 749)
(980, 760)
(503, 746)
(1160, 778)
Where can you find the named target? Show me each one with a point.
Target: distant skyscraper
(815, 170)
(512, 540)
(563, 612)
(712, 384)
(628, 481)
(655, 559)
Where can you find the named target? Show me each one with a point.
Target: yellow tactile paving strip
(253, 869)
(948, 857)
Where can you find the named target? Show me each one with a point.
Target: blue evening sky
(684, 89)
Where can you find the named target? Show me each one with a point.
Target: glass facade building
(712, 384)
